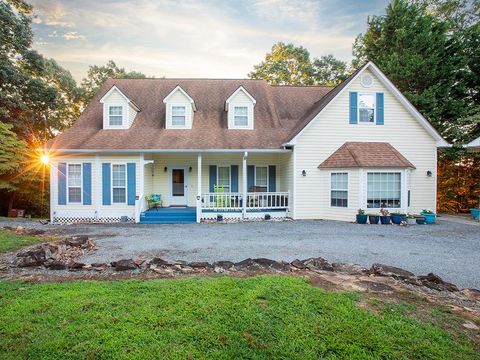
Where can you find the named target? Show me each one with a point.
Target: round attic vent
(366, 80)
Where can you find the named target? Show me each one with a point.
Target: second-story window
(366, 108)
(178, 115)
(115, 115)
(241, 116)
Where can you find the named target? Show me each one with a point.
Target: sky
(206, 39)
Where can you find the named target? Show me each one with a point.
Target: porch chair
(154, 201)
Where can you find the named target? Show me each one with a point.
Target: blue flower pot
(420, 220)
(429, 218)
(385, 220)
(362, 219)
(373, 219)
(398, 218)
(475, 213)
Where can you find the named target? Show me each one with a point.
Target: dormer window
(119, 111)
(179, 109)
(178, 115)
(115, 115)
(241, 116)
(240, 107)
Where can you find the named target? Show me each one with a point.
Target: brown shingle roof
(278, 113)
(364, 155)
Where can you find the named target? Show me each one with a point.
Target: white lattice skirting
(102, 220)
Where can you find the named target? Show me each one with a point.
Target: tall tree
(287, 64)
(97, 75)
(426, 60)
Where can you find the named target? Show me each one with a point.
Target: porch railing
(234, 201)
(140, 206)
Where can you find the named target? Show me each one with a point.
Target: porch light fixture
(429, 173)
(165, 169)
(190, 169)
(304, 173)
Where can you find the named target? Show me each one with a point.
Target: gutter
(122, 151)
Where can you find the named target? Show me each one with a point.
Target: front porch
(238, 185)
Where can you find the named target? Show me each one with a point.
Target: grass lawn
(10, 241)
(261, 317)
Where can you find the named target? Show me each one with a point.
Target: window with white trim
(384, 190)
(223, 177)
(366, 108)
(339, 189)
(74, 176)
(261, 177)
(240, 115)
(119, 183)
(115, 115)
(178, 115)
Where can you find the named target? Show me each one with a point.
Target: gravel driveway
(449, 249)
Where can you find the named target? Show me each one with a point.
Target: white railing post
(199, 187)
(244, 185)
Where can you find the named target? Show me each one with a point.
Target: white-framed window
(115, 115)
(119, 183)
(224, 178)
(366, 108)
(339, 189)
(384, 190)
(178, 115)
(261, 177)
(240, 115)
(74, 183)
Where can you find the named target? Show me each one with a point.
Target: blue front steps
(170, 215)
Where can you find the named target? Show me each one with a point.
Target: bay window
(339, 189)
(384, 190)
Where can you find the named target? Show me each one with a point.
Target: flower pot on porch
(398, 218)
(385, 219)
(411, 221)
(475, 213)
(373, 219)
(429, 218)
(420, 220)
(361, 219)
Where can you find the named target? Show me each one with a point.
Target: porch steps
(171, 215)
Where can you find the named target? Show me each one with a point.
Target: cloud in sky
(211, 38)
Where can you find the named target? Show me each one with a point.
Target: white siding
(331, 129)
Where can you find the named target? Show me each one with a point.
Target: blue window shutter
(62, 184)
(213, 177)
(272, 178)
(234, 176)
(250, 177)
(353, 107)
(131, 183)
(380, 109)
(87, 183)
(106, 188)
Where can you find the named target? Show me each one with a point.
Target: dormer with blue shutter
(366, 107)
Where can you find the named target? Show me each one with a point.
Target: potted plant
(384, 217)
(429, 216)
(398, 218)
(420, 220)
(373, 218)
(411, 219)
(219, 217)
(361, 217)
(475, 213)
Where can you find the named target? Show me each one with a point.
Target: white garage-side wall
(331, 129)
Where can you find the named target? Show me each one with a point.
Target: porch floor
(169, 215)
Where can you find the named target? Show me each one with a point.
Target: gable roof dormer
(119, 110)
(239, 107)
(179, 109)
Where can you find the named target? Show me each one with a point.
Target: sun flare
(44, 159)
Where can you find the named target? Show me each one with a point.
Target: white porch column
(199, 187)
(244, 185)
(142, 175)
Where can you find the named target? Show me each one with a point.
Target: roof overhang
(115, 88)
(123, 151)
(475, 144)
(179, 88)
